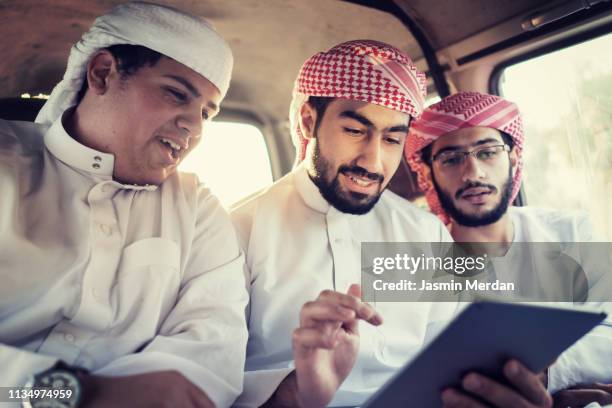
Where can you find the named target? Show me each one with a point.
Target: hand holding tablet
(482, 339)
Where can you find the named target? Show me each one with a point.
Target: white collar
(74, 154)
(66, 149)
(308, 190)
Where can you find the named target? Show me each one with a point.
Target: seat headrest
(24, 109)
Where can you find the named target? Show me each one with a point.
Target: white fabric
(531, 269)
(590, 359)
(536, 224)
(296, 245)
(94, 271)
(185, 38)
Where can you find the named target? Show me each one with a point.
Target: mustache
(361, 172)
(473, 184)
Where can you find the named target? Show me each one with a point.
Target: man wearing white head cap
(122, 278)
(350, 114)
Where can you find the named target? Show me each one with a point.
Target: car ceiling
(448, 21)
(270, 39)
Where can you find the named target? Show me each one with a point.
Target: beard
(345, 201)
(476, 220)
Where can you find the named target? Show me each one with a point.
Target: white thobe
(297, 245)
(590, 359)
(118, 279)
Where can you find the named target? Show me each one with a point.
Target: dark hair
(507, 139)
(130, 58)
(426, 154)
(426, 151)
(319, 103)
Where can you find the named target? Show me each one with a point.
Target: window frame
(498, 71)
(232, 114)
(239, 115)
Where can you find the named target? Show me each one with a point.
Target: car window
(232, 160)
(567, 108)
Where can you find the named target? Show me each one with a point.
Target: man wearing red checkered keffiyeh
(368, 89)
(467, 151)
(351, 109)
(468, 190)
(362, 70)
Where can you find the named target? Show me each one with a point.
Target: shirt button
(106, 229)
(69, 337)
(338, 240)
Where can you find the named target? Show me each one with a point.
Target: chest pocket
(147, 285)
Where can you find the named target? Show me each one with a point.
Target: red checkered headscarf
(363, 70)
(458, 111)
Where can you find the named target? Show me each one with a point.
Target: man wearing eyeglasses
(467, 153)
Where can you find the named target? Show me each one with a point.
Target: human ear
(307, 120)
(99, 71)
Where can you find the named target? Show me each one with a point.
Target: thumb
(355, 290)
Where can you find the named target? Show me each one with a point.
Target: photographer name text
(452, 286)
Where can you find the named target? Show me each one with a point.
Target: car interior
(553, 58)
(461, 45)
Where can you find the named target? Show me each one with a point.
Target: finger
(598, 386)
(355, 290)
(324, 311)
(455, 399)
(567, 399)
(587, 386)
(353, 325)
(199, 399)
(186, 393)
(378, 319)
(328, 329)
(497, 394)
(307, 338)
(528, 383)
(580, 398)
(543, 378)
(363, 310)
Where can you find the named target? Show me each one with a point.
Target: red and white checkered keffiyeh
(364, 70)
(458, 111)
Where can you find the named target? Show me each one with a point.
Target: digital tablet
(481, 339)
